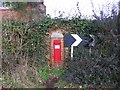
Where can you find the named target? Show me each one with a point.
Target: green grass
(45, 72)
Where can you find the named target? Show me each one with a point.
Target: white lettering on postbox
(57, 46)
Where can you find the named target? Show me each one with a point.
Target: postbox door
(57, 50)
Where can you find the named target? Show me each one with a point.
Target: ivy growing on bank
(25, 38)
(91, 65)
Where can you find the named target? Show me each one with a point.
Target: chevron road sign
(71, 40)
(77, 40)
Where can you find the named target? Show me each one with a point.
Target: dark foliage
(93, 65)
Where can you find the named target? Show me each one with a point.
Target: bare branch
(78, 9)
(114, 35)
(93, 10)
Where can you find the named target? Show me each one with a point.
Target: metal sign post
(71, 53)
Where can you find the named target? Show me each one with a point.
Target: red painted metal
(57, 50)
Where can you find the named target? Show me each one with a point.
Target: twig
(114, 35)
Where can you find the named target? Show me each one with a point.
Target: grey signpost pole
(71, 52)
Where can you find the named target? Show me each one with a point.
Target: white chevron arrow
(78, 40)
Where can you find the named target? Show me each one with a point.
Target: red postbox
(57, 50)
